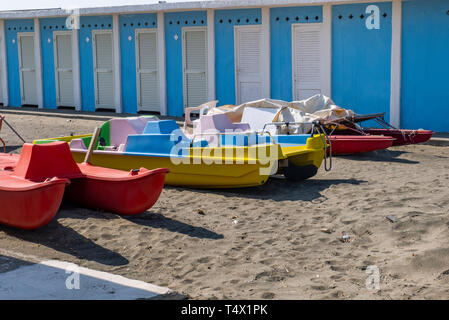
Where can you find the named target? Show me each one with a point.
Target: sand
(279, 241)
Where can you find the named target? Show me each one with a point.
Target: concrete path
(50, 280)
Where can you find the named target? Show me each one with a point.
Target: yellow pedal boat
(132, 143)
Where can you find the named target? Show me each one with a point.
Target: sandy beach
(282, 240)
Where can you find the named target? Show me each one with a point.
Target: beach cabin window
(27, 68)
(248, 63)
(147, 70)
(306, 45)
(194, 58)
(103, 69)
(62, 42)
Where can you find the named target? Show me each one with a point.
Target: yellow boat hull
(212, 167)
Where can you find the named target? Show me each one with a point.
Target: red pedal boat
(27, 204)
(122, 192)
(402, 136)
(348, 144)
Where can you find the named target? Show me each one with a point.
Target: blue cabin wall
(360, 67)
(47, 27)
(12, 27)
(87, 24)
(281, 20)
(174, 22)
(224, 23)
(128, 25)
(425, 64)
(361, 59)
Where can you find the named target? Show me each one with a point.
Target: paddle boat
(401, 136)
(33, 184)
(300, 166)
(27, 204)
(126, 143)
(265, 114)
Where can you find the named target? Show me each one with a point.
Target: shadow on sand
(279, 189)
(66, 240)
(380, 156)
(157, 220)
(146, 219)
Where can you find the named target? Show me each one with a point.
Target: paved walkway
(21, 279)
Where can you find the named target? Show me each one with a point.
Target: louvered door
(195, 66)
(1, 85)
(248, 63)
(27, 68)
(103, 69)
(147, 70)
(306, 60)
(62, 42)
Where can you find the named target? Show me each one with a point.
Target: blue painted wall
(47, 27)
(425, 65)
(281, 20)
(361, 59)
(224, 21)
(12, 55)
(87, 24)
(128, 26)
(174, 22)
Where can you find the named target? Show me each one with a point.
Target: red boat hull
(347, 144)
(117, 191)
(29, 205)
(403, 137)
(122, 192)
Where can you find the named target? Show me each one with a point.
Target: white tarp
(317, 107)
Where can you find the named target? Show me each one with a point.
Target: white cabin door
(103, 69)
(1, 86)
(27, 68)
(63, 68)
(147, 71)
(306, 60)
(194, 56)
(248, 63)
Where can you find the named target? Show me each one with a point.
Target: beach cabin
(162, 57)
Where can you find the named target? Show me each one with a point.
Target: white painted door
(306, 60)
(27, 68)
(62, 42)
(103, 69)
(147, 70)
(194, 56)
(248, 63)
(1, 86)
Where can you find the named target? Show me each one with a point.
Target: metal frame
(56, 65)
(184, 74)
(94, 51)
(307, 25)
(19, 49)
(137, 32)
(236, 63)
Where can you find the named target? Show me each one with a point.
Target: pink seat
(220, 123)
(122, 127)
